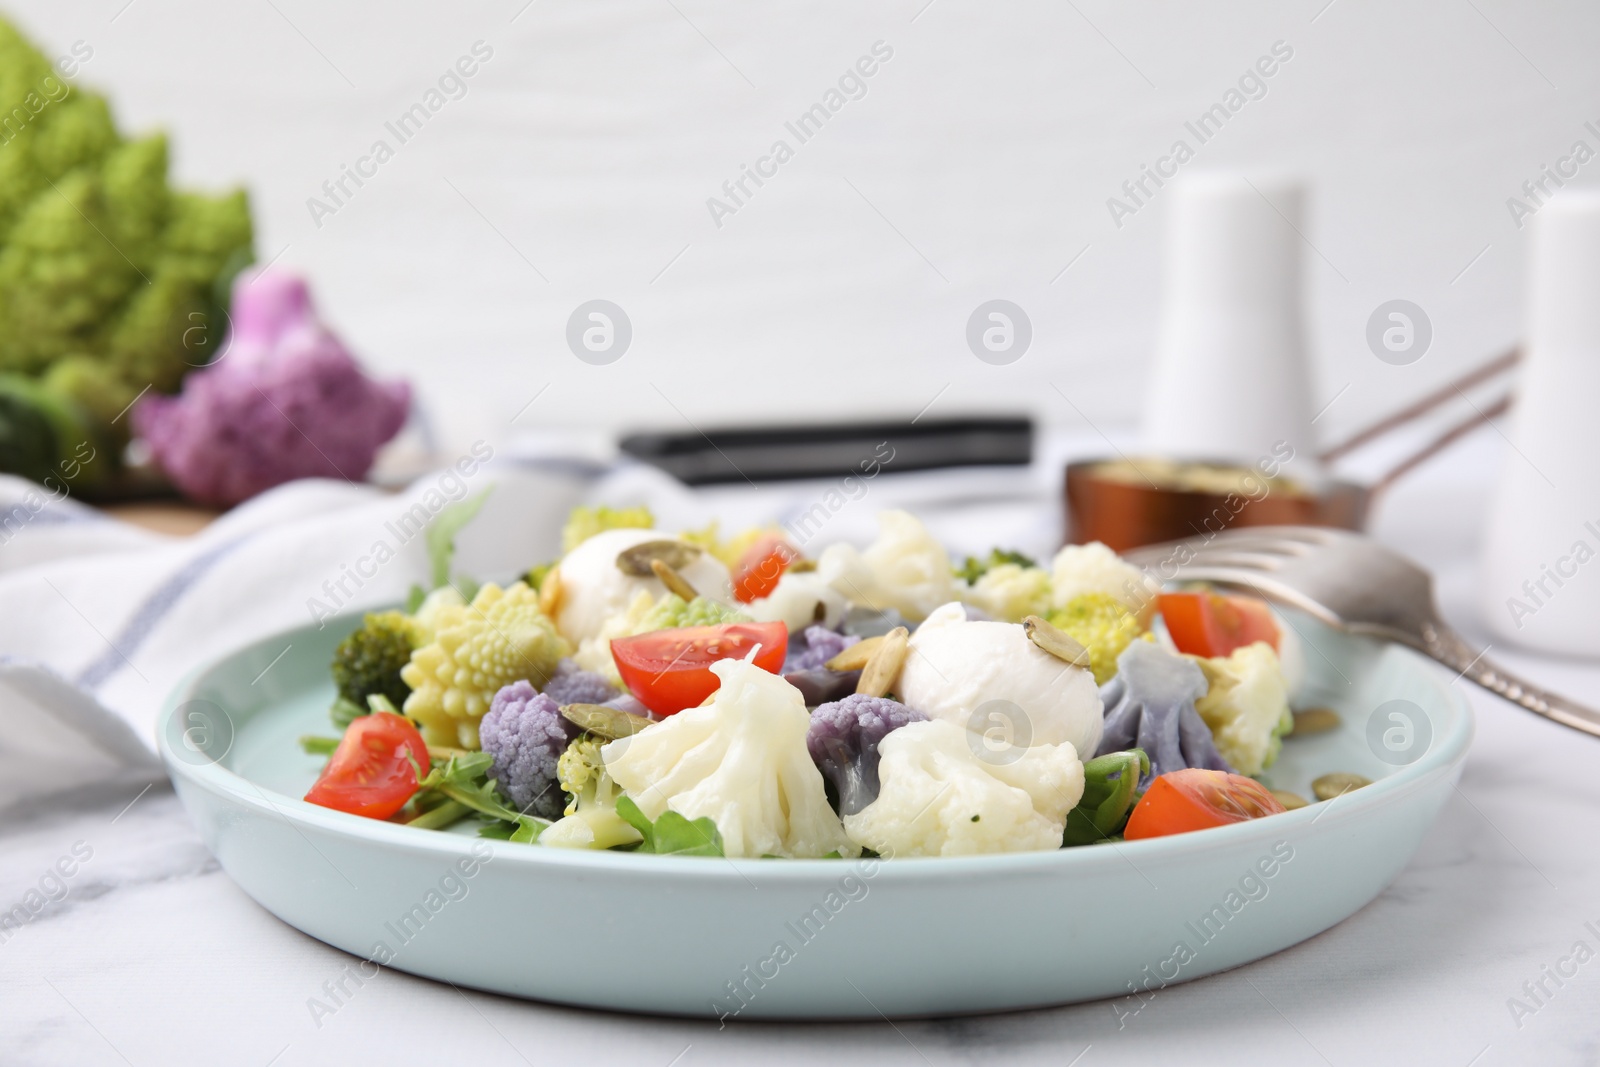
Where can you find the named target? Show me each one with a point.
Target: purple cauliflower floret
(1149, 704)
(525, 733)
(284, 400)
(571, 684)
(843, 741)
(818, 646)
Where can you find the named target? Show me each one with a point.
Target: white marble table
(153, 956)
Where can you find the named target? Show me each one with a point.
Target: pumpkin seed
(635, 562)
(855, 657)
(1337, 784)
(674, 581)
(1289, 800)
(1055, 641)
(550, 593)
(881, 671)
(604, 721)
(1315, 721)
(802, 566)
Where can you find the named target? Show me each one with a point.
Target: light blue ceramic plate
(816, 938)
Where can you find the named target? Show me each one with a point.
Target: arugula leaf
(414, 598)
(463, 778)
(1110, 783)
(672, 834)
(441, 535)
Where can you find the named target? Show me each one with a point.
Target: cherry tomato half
(374, 770)
(1214, 624)
(1197, 799)
(671, 669)
(760, 568)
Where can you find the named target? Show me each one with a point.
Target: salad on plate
(682, 693)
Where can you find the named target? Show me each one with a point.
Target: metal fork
(1354, 584)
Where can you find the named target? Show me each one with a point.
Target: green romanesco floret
(672, 612)
(102, 263)
(582, 774)
(1247, 706)
(591, 820)
(499, 638)
(369, 661)
(1102, 624)
(586, 521)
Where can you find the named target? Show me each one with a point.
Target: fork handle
(1446, 646)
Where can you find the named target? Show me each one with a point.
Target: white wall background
(977, 166)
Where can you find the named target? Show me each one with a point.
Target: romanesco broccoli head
(100, 260)
(585, 522)
(477, 648)
(1102, 624)
(672, 612)
(369, 661)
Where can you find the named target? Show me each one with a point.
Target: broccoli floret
(525, 733)
(975, 568)
(843, 741)
(585, 522)
(367, 663)
(571, 684)
(1102, 624)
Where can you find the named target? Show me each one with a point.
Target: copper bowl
(1126, 514)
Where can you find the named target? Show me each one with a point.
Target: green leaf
(672, 834)
(497, 830)
(441, 536)
(528, 830)
(1110, 786)
(414, 598)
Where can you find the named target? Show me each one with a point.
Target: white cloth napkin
(99, 620)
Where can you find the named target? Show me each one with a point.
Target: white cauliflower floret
(1247, 706)
(1011, 592)
(594, 589)
(940, 797)
(989, 676)
(905, 568)
(1094, 568)
(795, 602)
(740, 760)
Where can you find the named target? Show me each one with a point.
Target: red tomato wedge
(760, 568)
(1196, 799)
(1214, 624)
(671, 669)
(374, 770)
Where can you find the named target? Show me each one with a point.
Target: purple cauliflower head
(571, 684)
(843, 741)
(818, 645)
(285, 400)
(525, 733)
